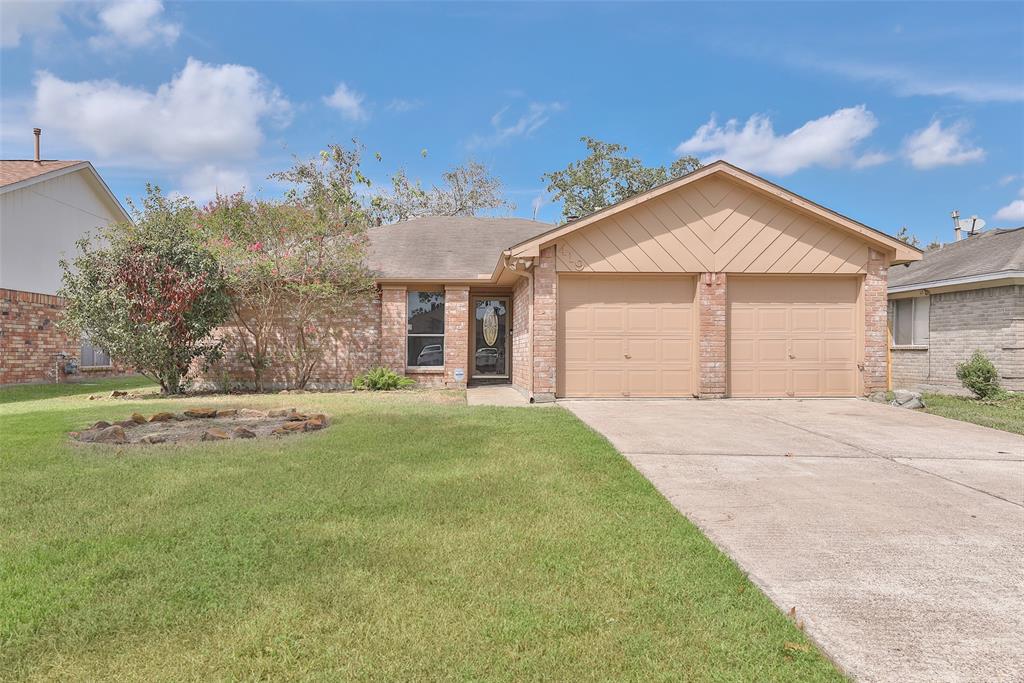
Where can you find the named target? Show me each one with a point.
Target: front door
(490, 335)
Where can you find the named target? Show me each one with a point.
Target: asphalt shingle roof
(445, 247)
(15, 170)
(991, 252)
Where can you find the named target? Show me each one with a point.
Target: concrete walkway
(897, 536)
(495, 395)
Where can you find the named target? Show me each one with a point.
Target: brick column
(545, 322)
(393, 328)
(456, 335)
(876, 335)
(713, 294)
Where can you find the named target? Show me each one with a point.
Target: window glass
(921, 307)
(90, 355)
(425, 342)
(903, 329)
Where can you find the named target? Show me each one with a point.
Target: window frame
(409, 293)
(82, 344)
(894, 322)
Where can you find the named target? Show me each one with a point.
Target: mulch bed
(202, 424)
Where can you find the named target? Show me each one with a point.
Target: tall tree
(904, 235)
(606, 176)
(466, 190)
(147, 292)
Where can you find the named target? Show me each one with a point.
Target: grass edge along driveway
(416, 538)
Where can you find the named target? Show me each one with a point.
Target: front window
(91, 356)
(908, 321)
(425, 329)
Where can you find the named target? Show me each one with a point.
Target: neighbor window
(426, 329)
(92, 355)
(908, 319)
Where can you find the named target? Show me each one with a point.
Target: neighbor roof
(992, 253)
(445, 248)
(15, 170)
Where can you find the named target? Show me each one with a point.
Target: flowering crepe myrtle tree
(295, 268)
(146, 292)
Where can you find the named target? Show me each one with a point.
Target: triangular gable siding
(712, 225)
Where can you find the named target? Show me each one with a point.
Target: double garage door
(638, 336)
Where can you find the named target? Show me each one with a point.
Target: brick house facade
(666, 275)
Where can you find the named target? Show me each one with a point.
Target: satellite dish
(972, 225)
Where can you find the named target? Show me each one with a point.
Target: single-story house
(715, 284)
(962, 297)
(46, 205)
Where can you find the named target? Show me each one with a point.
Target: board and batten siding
(712, 225)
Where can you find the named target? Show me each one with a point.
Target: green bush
(381, 379)
(979, 375)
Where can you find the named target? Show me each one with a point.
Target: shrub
(381, 379)
(979, 375)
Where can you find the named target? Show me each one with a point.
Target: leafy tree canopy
(607, 176)
(466, 190)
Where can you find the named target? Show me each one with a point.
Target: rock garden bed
(202, 424)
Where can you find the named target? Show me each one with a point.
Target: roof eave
(956, 281)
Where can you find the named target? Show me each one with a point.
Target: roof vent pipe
(37, 132)
(955, 215)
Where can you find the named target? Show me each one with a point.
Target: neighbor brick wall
(990, 320)
(545, 320)
(456, 335)
(876, 332)
(393, 328)
(713, 295)
(522, 367)
(30, 340)
(352, 349)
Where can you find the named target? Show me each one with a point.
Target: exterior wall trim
(952, 282)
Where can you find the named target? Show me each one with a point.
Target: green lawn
(1006, 414)
(415, 539)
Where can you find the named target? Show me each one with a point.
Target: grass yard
(416, 538)
(1006, 414)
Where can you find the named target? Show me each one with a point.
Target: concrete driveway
(897, 536)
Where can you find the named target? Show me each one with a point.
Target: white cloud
(134, 23)
(536, 115)
(1007, 179)
(1013, 212)
(936, 146)
(907, 82)
(348, 102)
(826, 141)
(206, 113)
(203, 184)
(402, 105)
(869, 159)
(19, 20)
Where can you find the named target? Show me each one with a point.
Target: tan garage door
(793, 336)
(626, 336)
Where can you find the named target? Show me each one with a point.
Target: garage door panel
(793, 336)
(626, 335)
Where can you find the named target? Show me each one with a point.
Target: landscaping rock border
(202, 424)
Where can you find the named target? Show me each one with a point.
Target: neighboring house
(45, 207)
(715, 284)
(965, 296)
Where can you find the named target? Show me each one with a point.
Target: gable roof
(445, 248)
(987, 256)
(899, 251)
(18, 173)
(16, 170)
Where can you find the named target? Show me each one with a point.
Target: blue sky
(893, 114)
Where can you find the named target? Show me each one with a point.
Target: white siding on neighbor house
(41, 222)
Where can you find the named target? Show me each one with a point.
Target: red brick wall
(393, 327)
(522, 367)
(352, 349)
(456, 335)
(875, 323)
(545, 317)
(30, 340)
(713, 296)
